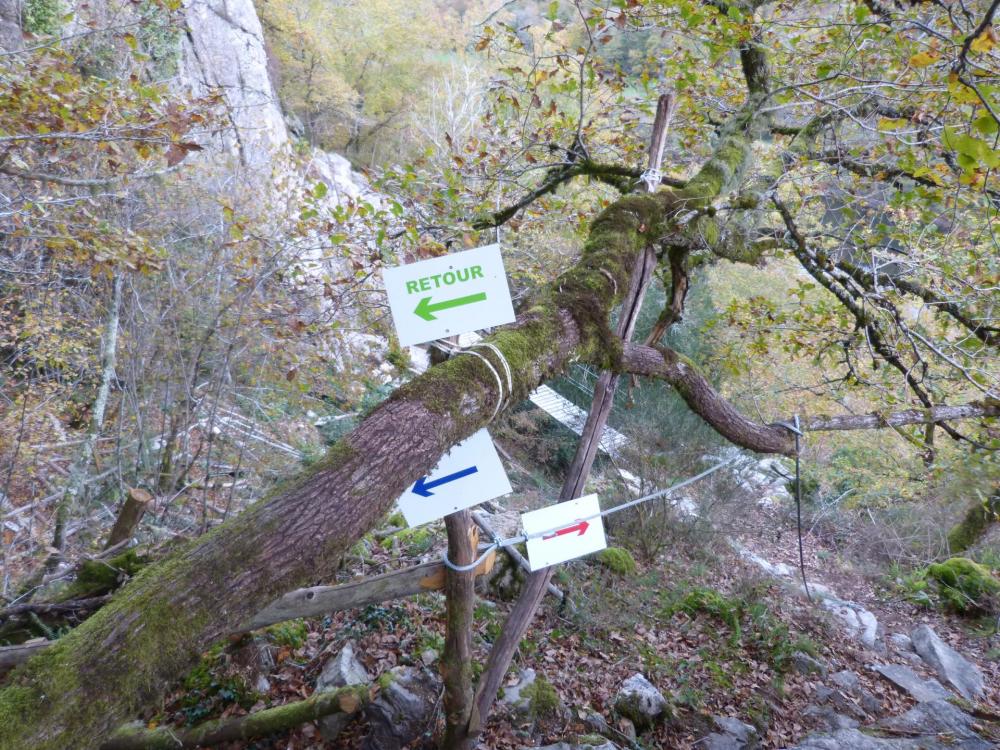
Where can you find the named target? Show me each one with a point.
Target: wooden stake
(665, 107)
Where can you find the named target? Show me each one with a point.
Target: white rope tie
(503, 361)
(500, 394)
(652, 178)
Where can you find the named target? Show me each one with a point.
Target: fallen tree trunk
(346, 700)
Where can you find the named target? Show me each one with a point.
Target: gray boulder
(582, 743)
(951, 666)
(404, 708)
(640, 701)
(853, 739)
(733, 734)
(10, 25)
(860, 703)
(830, 717)
(910, 682)
(805, 664)
(342, 670)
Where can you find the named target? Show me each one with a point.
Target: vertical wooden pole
(456, 661)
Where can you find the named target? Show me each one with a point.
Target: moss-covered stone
(543, 700)
(618, 559)
(966, 586)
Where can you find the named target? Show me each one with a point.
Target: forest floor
(704, 625)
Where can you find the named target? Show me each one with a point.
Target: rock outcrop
(10, 25)
(404, 708)
(342, 670)
(223, 50)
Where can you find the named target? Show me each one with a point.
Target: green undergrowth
(618, 560)
(750, 624)
(210, 690)
(959, 585)
(543, 700)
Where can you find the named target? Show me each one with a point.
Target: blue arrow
(423, 488)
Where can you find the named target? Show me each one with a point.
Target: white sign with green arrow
(450, 295)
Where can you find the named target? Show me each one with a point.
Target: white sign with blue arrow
(450, 295)
(468, 474)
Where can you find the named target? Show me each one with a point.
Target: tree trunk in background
(80, 470)
(973, 526)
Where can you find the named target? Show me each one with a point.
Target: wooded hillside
(750, 243)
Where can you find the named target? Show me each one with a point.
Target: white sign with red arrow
(564, 531)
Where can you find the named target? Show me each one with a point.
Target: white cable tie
(500, 396)
(471, 566)
(652, 178)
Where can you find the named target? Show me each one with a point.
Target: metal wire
(498, 542)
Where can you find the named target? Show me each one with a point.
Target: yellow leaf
(923, 59)
(984, 42)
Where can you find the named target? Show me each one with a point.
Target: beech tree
(862, 148)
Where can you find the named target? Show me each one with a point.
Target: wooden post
(665, 107)
(456, 661)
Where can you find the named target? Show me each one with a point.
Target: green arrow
(426, 310)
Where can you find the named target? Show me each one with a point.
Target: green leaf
(986, 125)
(320, 190)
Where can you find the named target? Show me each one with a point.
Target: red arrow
(582, 527)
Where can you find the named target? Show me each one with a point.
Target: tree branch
(347, 700)
(666, 364)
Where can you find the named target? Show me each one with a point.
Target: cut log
(129, 516)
